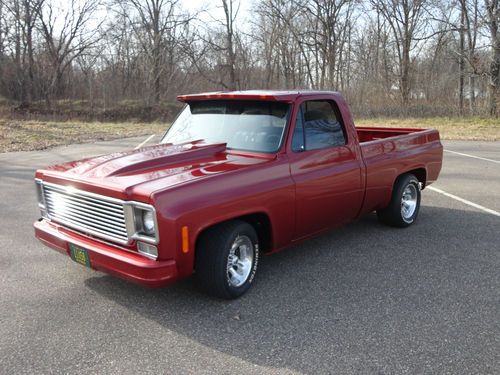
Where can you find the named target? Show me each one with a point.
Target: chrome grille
(89, 213)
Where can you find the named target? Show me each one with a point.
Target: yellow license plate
(79, 255)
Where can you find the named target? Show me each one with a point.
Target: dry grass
(472, 128)
(22, 135)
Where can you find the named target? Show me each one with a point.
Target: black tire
(213, 253)
(393, 214)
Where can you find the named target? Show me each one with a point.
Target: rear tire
(227, 257)
(403, 209)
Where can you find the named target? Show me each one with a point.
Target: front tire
(405, 203)
(227, 257)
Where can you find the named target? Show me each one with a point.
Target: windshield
(242, 124)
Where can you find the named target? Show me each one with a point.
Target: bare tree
(471, 15)
(23, 16)
(231, 14)
(213, 47)
(2, 37)
(405, 18)
(432, 56)
(31, 9)
(470, 65)
(493, 22)
(296, 49)
(461, 57)
(156, 24)
(67, 35)
(330, 24)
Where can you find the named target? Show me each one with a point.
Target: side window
(298, 133)
(322, 127)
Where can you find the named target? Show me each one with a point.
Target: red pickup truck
(238, 174)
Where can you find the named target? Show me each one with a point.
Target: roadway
(362, 299)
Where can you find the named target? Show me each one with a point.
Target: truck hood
(136, 174)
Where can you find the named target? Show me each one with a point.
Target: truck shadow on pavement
(362, 298)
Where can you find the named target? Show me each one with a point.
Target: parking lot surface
(361, 299)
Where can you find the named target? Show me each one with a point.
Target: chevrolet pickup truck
(237, 175)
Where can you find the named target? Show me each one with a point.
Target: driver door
(325, 169)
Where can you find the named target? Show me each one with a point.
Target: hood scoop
(153, 157)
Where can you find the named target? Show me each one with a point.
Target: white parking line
(473, 156)
(465, 201)
(144, 142)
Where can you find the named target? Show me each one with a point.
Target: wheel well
(420, 174)
(259, 221)
(262, 225)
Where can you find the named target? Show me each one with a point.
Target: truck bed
(368, 134)
(388, 151)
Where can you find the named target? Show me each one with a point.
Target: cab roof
(278, 96)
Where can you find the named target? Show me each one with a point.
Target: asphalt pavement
(361, 299)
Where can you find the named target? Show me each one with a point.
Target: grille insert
(85, 212)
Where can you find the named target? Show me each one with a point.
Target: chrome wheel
(240, 260)
(409, 202)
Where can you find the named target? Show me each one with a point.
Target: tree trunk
(1, 39)
(28, 24)
(18, 58)
(405, 77)
(493, 9)
(472, 94)
(230, 55)
(461, 60)
(494, 79)
(157, 50)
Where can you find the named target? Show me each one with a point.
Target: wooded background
(388, 57)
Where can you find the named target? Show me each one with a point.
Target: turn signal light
(185, 239)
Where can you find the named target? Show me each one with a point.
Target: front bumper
(107, 258)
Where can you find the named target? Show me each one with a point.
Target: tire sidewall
(245, 230)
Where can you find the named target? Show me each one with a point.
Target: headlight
(148, 222)
(141, 222)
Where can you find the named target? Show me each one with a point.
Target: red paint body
(198, 185)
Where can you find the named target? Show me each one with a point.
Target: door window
(317, 126)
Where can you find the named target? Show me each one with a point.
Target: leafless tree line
(389, 57)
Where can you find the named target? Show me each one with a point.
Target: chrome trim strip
(121, 231)
(120, 221)
(90, 231)
(83, 203)
(39, 185)
(71, 190)
(98, 239)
